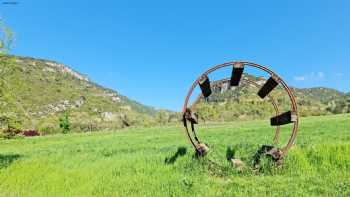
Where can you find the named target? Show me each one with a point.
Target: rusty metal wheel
(289, 117)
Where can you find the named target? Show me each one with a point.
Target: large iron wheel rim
(274, 78)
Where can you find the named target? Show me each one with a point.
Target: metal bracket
(238, 65)
(190, 116)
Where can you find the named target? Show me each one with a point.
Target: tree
(64, 123)
(8, 120)
(8, 67)
(10, 125)
(6, 39)
(347, 98)
(162, 117)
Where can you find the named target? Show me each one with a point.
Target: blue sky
(152, 51)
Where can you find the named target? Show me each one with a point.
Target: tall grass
(160, 162)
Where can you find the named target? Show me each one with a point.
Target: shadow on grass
(181, 151)
(6, 160)
(230, 153)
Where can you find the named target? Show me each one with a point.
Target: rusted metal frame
(204, 84)
(237, 73)
(188, 133)
(294, 107)
(268, 87)
(287, 89)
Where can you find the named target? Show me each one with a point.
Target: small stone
(238, 164)
(202, 149)
(275, 153)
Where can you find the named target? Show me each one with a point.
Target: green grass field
(132, 162)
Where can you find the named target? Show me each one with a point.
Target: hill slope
(36, 92)
(242, 102)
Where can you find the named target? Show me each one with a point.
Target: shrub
(48, 128)
(10, 133)
(31, 133)
(64, 123)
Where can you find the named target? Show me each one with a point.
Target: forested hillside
(242, 102)
(35, 93)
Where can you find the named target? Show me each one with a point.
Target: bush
(47, 128)
(10, 133)
(64, 123)
(31, 133)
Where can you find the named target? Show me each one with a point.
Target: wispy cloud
(299, 78)
(313, 76)
(320, 75)
(339, 75)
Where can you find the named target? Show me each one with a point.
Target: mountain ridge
(231, 103)
(37, 92)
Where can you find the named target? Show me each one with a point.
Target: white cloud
(320, 74)
(299, 78)
(340, 75)
(313, 76)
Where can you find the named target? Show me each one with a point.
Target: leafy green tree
(64, 123)
(6, 41)
(7, 38)
(10, 125)
(8, 121)
(348, 103)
